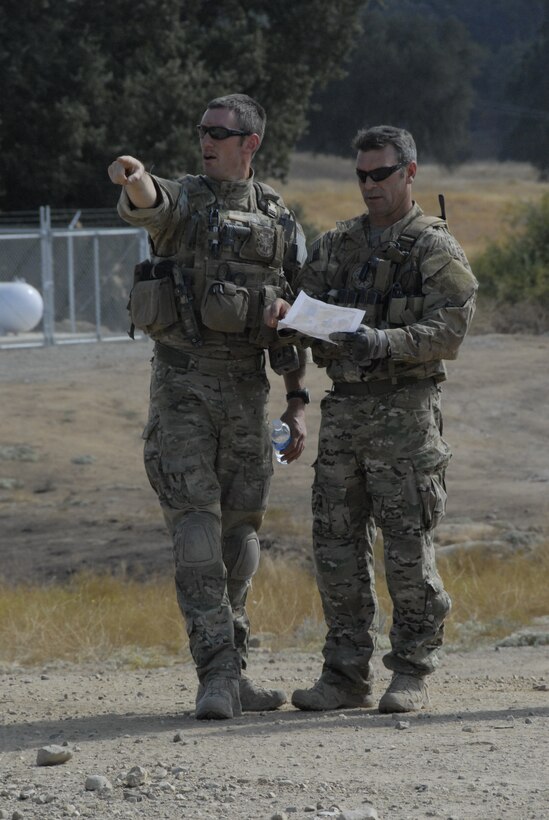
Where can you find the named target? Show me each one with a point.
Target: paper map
(317, 319)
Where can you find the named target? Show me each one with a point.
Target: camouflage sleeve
(296, 249)
(314, 275)
(163, 221)
(314, 279)
(449, 290)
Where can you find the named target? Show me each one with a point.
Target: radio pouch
(152, 304)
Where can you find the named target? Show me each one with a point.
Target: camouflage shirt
(426, 310)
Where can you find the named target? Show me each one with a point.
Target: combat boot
(406, 693)
(218, 699)
(254, 698)
(324, 696)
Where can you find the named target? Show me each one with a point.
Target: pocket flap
(225, 307)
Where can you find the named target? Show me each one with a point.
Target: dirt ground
(73, 494)
(479, 752)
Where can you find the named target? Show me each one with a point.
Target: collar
(392, 233)
(231, 193)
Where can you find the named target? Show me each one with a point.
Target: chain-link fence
(84, 275)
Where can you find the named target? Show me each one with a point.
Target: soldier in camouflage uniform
(382, 458)
(223, 246)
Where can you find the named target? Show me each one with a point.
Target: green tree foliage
(517, 269)
(84, 82)
(528, 91)
(502, 30)
(408, 71)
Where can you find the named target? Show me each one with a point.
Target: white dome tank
(21, 307)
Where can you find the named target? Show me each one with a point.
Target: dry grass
(99, 617)
(478, 195)
(493, 595)
(90, 618)
(94, 617)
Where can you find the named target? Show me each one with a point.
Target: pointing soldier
(223, 247)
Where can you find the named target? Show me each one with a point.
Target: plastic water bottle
(280, 437)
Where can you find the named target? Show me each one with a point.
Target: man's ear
(253, 142)
(411, 172)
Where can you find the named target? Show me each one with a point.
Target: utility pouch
(225, 307)
(265, 243)
(415, 305)
(283, 359)
(397, 307)
(152, 304)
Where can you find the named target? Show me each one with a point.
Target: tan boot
(218, 699)
(324, 696)
(254, 698)
(406, 693)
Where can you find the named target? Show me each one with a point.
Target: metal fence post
(144, 244)
(70, 272)
(97, 286)
(46, 260)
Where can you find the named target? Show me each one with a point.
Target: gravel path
(479, 753)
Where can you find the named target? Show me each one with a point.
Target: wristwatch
(299, 394)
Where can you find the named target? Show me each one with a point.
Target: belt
(203, 364)
(378, 388)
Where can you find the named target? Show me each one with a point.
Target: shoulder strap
(416, 227)
(267, 201)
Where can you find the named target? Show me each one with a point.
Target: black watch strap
(299, 394)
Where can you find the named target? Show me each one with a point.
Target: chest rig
(233, 260)
(245, 248)
(226, 266)
(383, 281)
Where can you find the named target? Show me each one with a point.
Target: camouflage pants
(381, 463)
(208, 457)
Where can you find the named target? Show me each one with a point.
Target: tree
(528, 94)
(409, 71)
(85, 82)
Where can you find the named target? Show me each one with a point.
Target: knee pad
(241, 552)
(197, 541)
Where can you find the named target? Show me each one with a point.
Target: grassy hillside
(478, 195)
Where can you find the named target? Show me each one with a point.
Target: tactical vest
(229, 264)
(384, 281)
(244, 247)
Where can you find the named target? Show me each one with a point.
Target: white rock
(402, 724)
(97, 783)
(52, 755)
(136, 776)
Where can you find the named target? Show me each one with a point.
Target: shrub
(516, 270)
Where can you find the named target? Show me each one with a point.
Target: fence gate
(83, 274)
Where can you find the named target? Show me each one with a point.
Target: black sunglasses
(219, 132)
(379, 174)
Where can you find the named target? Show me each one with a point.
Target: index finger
(125, 169)
(117, 172)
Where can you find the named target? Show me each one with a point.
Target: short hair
(369, 139)
(250, 116)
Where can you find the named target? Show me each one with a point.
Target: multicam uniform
(382, 458)
(221, 251)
